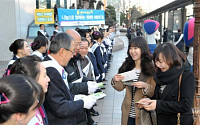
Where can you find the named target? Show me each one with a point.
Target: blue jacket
(99, 58)
(94, 63)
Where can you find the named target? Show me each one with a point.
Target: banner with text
(77, 17)
(44, 16)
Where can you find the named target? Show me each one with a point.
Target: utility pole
(196, 54)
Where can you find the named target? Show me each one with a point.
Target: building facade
(15, 15)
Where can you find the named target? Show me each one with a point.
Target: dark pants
(89, 117)
(131, 121)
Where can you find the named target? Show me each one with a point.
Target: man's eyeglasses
(70, 51)
(77, 43)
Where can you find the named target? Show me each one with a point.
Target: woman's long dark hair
(147, 66)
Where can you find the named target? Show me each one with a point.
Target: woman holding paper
(175, 87)
(139, 63)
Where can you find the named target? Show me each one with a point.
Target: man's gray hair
(61, 40)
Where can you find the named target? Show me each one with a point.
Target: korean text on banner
(77, 17)
(44, 16)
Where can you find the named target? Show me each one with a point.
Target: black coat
(77, 88)
(73, 75)
(59, 104)
(165, 35)
(40, 34)
(180, 45)
(168, 106)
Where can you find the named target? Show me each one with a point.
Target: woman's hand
(151, 106)
(140, 84)
(118, 77)
(143, 102)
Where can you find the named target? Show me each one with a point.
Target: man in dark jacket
(76, 76)
(165, 35)
(59, 102)
(179, 40)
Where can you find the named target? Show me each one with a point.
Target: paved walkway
(109, 108)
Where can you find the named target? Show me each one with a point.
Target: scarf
(170, 76)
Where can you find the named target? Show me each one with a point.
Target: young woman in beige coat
(139, 61)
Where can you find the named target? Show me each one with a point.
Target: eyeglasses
(77, 43)
(70, 51)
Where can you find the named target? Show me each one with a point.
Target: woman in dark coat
(171, 63)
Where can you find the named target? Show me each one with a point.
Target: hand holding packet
(92, 86)
(129, 77)
(88, 100)
(142, 103)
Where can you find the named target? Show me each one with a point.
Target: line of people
(66, 75)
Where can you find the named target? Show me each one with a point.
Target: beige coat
(126, 105)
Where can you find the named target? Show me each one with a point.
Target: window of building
(53, 2)
(42, 4)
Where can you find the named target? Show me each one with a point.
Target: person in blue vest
(97, 51)
(104, 48)
(59, 102)
(32, 66)
(94, 61)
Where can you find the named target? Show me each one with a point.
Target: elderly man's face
(84, 49)
(77, 44)
(68, 54)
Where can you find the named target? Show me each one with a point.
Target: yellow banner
(44, 16)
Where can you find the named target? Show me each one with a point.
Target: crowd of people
(51, 85)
